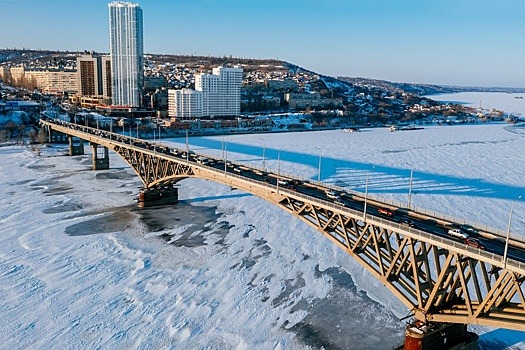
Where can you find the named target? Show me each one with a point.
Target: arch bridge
(438, 277)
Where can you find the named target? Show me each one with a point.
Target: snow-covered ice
(82, 267)
(511, 103)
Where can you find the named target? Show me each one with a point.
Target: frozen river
(82, 267)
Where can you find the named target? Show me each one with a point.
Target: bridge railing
(451, 242)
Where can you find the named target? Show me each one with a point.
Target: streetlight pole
(187, 147)
(278, 168)
(222, 147)
(224, 153)
(319, 166)
(154, 147)
(410, 188)
(319, 171)
(366, 195)
(508, 235)
(264, 154)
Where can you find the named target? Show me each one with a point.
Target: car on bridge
(282, 182)
(202, 160)
(456, 232)
(339, 202)
(291, 187)
(385, 212)
(409, 222)
(474, 243)
(331, 194)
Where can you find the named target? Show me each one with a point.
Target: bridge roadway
(437, 276)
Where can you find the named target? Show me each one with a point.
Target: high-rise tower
(127, 51)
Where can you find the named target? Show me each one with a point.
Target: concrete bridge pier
(161, 194)
(57, 137)
(443, 336)
(99, 163)
(75, 150)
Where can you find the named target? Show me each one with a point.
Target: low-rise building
(89, 102)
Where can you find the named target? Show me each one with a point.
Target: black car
(409, 222)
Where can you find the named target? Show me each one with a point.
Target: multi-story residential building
(217, 94)
(106, 76)
(88, 75)
(57, 81)
(221, 91)
(5, 73)
(185, 103)
(127, 51)
(54, 81)
(94, 75)
(17, 74)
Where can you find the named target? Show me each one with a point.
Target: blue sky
(455, 42)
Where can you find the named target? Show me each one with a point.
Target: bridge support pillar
(75, 150)
(443, 336)
(57, 137)
(158, 195)
(100, 163)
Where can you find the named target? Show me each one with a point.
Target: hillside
(268, 81)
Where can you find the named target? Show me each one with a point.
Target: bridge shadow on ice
(204, 199)
(352, 175)
(501, 338)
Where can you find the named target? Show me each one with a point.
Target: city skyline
(449, 43)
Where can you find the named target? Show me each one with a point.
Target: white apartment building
(127, 53)
(221, 91)
(185, 103)
(216, 94)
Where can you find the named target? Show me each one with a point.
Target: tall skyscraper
(127, 53)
